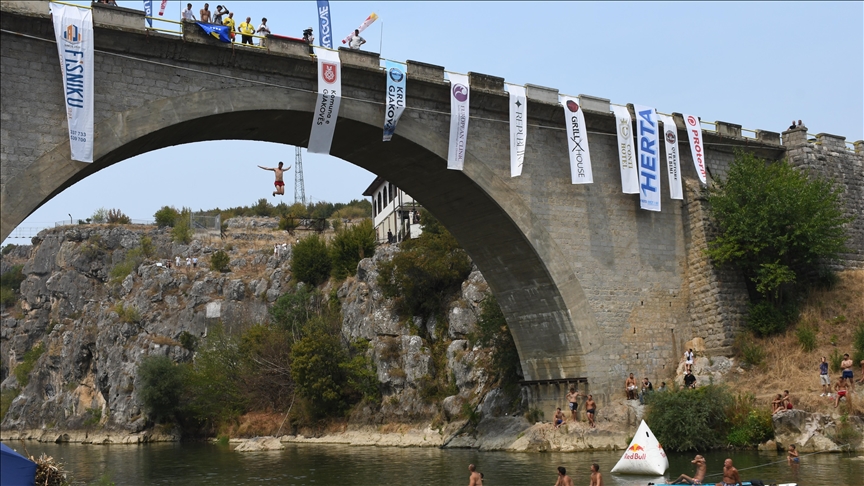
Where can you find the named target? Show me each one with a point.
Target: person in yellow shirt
(230, 23)
(247, 29)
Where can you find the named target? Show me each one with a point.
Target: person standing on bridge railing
(247, 30)
(188, 15)
(309, 38)
(263, 31)
(230, 23)
(205, 14)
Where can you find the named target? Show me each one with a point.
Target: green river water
(302, 464)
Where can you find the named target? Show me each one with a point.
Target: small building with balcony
(396, 215)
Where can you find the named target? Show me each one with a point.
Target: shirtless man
(563, 478)
(846, 366)
(730, 475)
(590, 410)
(792, 455)
(701, 469)
(559, 417)
(630, 387)
(840, 387)
(596, 477)
(475, 479)
(573, 399)
(280, 185)
(205, 14)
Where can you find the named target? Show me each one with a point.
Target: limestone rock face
(260, 444)
(812, 432)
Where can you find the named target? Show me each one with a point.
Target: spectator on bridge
(689, 380)
(220, 11)
(793, 127)
(647, 387)
(188, 15)
(230, 23)
(247, 30)
(356, 41)
(309, 38)
(630, 387)
(263, 31)
(205, 14)
(801, 124)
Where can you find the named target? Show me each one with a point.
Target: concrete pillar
(541, 94)
(290, 46)
(729, 129)
(768, 137)
(356, 57)
(593, 103)
(795, 137)
(422, 70)
(859, 147)
(485, 82)
(831, 142)
(121, 18)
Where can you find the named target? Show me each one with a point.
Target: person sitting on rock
(559, 418)
(777, 404)
(787, 400)
(630, 387)
(689, 380)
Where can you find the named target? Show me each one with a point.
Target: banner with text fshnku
(73, 30)
(577, 142)
(626, 153)
(459, 101)
(649, 157)
(673, 162)
(694, 133)
(327, 105)
(325, 27)
(518, 125)
(395, 98)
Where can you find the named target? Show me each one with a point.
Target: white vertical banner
(73, 29)
(459, 101)
(673, 161)
(327, 106)
(649, 157)
(518, 126)
(577, 142)
(694, 133)
(626, 153)
(395, 98)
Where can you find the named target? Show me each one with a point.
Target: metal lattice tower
(299, 186)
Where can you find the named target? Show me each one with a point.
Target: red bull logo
(73, 34)
(636, 448)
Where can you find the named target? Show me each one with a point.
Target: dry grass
(164, 340)
(256, 424)
(834, 313)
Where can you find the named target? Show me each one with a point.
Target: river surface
(304, 464)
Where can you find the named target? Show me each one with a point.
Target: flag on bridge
(649, 157)
(325, 30)
(148, 11)
(626, 155)
(459, 100)
(327, 105)
(577, 142)
(395, 98)
(73, 30)
(518, 126)
(673, 162)
(694, 133)
(221, 32)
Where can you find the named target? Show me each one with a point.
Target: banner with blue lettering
(395, 98)
(649, 157)
(325, 30)
(577, 142)
(148, 11)
(73, 29)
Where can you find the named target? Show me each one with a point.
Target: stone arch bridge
(592, 287)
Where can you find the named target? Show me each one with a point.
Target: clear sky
(759, 65)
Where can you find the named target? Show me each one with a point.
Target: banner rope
(373, 102)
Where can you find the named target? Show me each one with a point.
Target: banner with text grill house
(577, 142)
(626, 153)
(649, 157)
(673, 163)
(325, 27)
(73, 29)
(694, 133)
(327, 106)
(459, 100)
(518, 125)
(395, 98)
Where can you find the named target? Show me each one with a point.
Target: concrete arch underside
(538, 290)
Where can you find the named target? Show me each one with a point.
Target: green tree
(219, 261)
(115, 216)
(310, 260)
(182, 230)
(427, 271)
(99, 216)
(690, 419)
(350, 246)
(166, 216)
(293, 310)
(777, 225)
(161, 384)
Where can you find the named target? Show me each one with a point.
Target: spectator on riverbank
(846, 366)
(787, 400)
(205, 14)
(824, 379)
(559, 417)
(188, 262)
(630, 387)
(647, 387)
(777, 404)
(689, 380)
(662, 387)
(840, 387)
(573, 401)
(590, 410)
(263, 31)
(688, 360)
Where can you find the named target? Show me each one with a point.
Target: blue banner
(649, 157)
(220, 32)
(325, 29)
(395, 98)
(148, 11)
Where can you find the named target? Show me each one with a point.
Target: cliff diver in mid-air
(280, 185)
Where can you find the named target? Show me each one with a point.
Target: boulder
(258, 444)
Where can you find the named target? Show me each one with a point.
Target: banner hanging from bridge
(673, 163)
(518, 126)
(626, 154)
(577, 142)
(649, 157)
(148, 11)
(395, 98)
(327, 106)
(73, 29)
(694, 133)
(165, 4)
(325, 29)
(459, 101)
